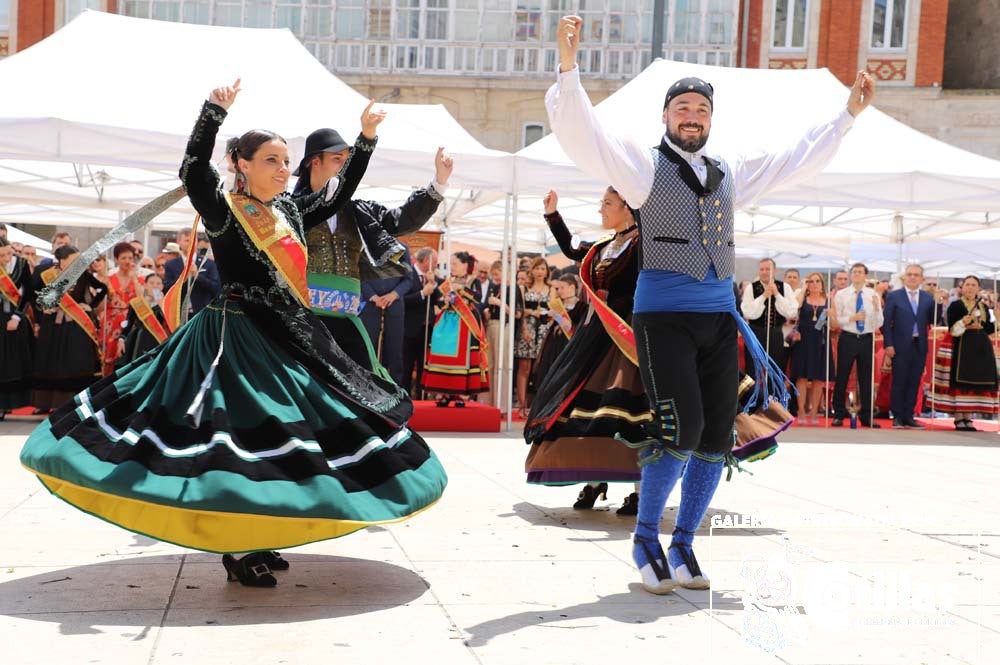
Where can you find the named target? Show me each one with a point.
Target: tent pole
(499, 400)
(934, 352)
(829, 351)
(512, 299)
(897, 227)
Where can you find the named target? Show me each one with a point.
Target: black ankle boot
(630, 507)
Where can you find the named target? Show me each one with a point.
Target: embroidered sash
(8, 289)
(73, 310)
(174, 297)
(274, 237)
(620, 332)
(333, 294)
(148, 318)
(462, 309)
(560, 313)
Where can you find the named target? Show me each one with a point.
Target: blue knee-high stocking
(701, 478)
(658, 479)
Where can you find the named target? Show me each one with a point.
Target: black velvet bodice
(239, 262)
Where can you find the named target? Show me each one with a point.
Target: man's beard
(688, 145)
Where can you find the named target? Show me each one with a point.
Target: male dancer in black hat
(349, 247)
(684, 296)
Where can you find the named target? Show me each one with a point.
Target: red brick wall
(930, 44)
(839, 29)
(755, 33)
(35, 21)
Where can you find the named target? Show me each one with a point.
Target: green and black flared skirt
(285, 451)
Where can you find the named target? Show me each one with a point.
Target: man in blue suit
(909, 312)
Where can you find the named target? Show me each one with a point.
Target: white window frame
(790, 26)
(887, 31)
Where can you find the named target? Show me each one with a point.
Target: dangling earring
(240, 184)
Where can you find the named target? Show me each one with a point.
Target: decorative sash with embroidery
(274, 237)
(330, 295)
(174, 297)
(620, 332)
(560, 314)
(8, 289)
(464, 313)
(73, 310)
(148, 318)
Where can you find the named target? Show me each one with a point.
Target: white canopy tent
(888, 182)
(132, 107)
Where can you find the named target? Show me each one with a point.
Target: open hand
(226, 95)
(370, 120)
(443, 166)
(12, 325)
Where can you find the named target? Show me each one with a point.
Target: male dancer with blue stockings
(684, 297)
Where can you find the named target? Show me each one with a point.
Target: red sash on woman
(274, 237)
(8, 289)
(73, 310)
(148, 318)
(620, 332)
(172, 299)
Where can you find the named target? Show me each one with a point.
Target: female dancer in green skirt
(249, 429)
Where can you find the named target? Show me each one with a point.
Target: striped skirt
(280, 456)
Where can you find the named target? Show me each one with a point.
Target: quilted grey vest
(683, 230)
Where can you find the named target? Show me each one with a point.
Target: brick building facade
(927, 54)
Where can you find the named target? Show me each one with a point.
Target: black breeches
(690, 369)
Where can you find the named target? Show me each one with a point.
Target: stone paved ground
(845, 548)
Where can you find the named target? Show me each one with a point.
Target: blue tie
(913, 305)
(859, 306)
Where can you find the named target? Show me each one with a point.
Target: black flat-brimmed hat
(691, 84)
(322, 140)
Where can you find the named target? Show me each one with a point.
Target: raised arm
(198, 174)
(755, 175)
(558, 228)
(318, 207)
(596, 150)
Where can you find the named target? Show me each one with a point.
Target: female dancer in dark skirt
(249, 429)
(16, 336)
(592, 399)
(67, 352)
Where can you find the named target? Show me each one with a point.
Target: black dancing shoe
(460, 403)
(274, 560)
(443, 402)
(837, 422)
(249, 570)
(630, 507)
(588, 496)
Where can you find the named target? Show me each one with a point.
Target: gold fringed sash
(558, 307)
(148, 318)
(620, 332)
(74, 311)
(275, 238)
